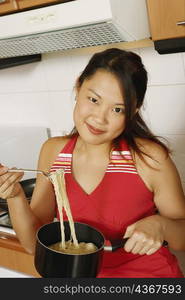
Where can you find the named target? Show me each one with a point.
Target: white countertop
(7, 230)
(7, 273)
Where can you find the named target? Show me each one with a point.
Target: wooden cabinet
(166, 18)
(7, 6)
(37, 3)
(11, 6)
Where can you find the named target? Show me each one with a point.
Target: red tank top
(120, 199)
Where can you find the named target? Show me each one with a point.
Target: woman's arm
(25, 218)
(170, 201)
(147, 235)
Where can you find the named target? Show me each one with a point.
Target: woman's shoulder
(56, 142)
(51, 148)
(154, 153)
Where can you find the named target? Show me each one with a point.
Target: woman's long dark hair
(128, 68)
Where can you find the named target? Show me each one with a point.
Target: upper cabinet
(34, 3)
(7, 6)
(167, 18)
(167, 24)
(11, 6)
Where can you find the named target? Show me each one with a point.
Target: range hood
(74, 24)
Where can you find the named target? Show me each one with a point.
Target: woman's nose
(101, 115)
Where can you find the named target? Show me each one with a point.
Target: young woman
(119, 177)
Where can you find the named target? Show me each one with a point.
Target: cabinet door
(34, 3)
(164, 17)
(7, 6)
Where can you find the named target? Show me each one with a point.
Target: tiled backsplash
(42, 94)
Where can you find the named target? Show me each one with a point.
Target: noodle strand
(58, 180)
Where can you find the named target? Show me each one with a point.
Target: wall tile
(52, 110)
(58, 69)
(25, 78)
(78, 62)
(61, 113)
(176, 143)
(165, 106)
(57, 132)
(144, 112)
(183, 59)
(20, 146)
(62, 70)
(28, 109)
(163, 69)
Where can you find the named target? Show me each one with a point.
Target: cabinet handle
(181, 23)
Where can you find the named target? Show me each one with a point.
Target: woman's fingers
(131, 243)
(10, 180)
(11, 191)
(145, 236)
(8, 183)
(139, 244)
(3, 170)
(4, 175)
(152, 251)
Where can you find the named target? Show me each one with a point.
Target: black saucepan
(54, 264)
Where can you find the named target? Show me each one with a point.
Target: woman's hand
(9, 183)
(145, 236)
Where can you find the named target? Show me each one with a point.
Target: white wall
(41, 94)
(164, 107)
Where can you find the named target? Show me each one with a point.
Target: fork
(29, 170)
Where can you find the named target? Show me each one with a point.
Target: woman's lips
(94, 130)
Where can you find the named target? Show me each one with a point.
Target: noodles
(72, 246)
(58, 181)
(84, 248)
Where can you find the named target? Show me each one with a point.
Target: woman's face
(99, 113)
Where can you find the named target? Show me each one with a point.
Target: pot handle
(113, 245)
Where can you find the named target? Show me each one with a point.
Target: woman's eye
(93, 99)
(118, 110)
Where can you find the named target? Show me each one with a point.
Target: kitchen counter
(14, 260)
(7, 273)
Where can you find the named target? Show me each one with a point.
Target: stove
(5, 222)
(5, 219)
